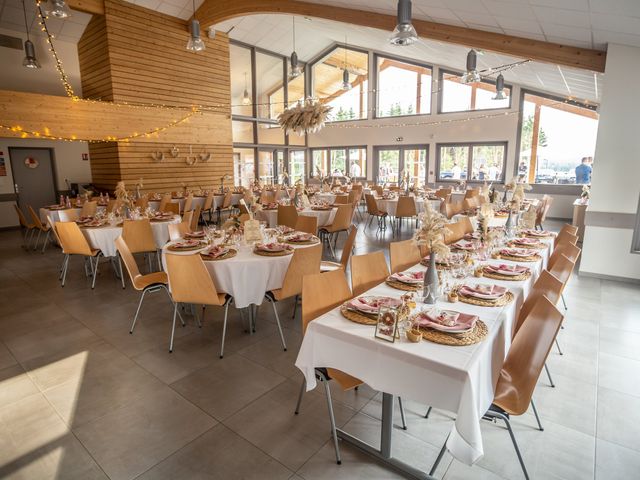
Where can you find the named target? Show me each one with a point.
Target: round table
(55, 214)
(104, 237)
(391, 204)
(325, 217)
(247, 276)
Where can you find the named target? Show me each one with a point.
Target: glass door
(388, 165)
(271, 165)
(415, 163)
(296, 165)
(390, 162)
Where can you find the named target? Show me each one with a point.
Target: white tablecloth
(155, 204)
(55, 214)
(325, 197)
(390, 205)
(104, 238)
(493, 222)
(458, 379)
(325, 217)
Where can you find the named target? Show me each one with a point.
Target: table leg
(386, 442)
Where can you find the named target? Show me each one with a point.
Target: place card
(252, 231)
(387, 325)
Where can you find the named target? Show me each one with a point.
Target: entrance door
(33, 179)
(271, 165)
(390, 162)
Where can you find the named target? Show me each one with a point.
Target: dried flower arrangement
(528, 219)
(304, 117)
(433, 228)
(122, 195)
(586, 192)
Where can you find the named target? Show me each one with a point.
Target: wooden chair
(226, 206)
(562, 269)
(305, 261)
(406, 208)
(521, 369)
(470, 203)
(572, 229)
(142, 203)
(28, 229)
(138, 236)
(367, 271)
(567, 237)
(443, 193)
(188, 203)
(195, 218)
(243, 218)
(150, 283)
(190, 282)
(547, 285)
(207, 207)
(569, 250)
(326, 266)
(452, 209)
(374, 211)
(403, 255)
(89, 209)
(456, 231)
(166, 200)
(68, 215)
(287, 215)
(41, 229)
(307, 224)
(541, 214)
(178, 230)
(341, 223)
(471, 193)
(379, 189)
(466, 225)
(267, 196)
(341, 200)
(73, 242)
(171, 208)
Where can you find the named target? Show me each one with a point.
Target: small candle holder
(478, 272)
(414, 335)
(452, 297)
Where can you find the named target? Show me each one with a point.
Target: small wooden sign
(252, 231)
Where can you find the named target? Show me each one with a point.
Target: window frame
(347, 158)
(401, 149)
(440, 94)
(376, 56)
(503, 143)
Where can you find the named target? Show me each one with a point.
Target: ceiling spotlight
(404, 33)
(296, 68)
(500, 93)
(57, 9)
(195, 43)
(346, 84)
(471, 75)
(29, 50)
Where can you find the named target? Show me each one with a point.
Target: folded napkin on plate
(372, 305)
(462, 245)
(503, 269)
(409, 277)
(537, 233)
(215, 251)
(518, 252)
(199, 234)
(446, 320)
(526, 241)
(186, 244)
(487, 292)
(300, 237)
(472, 236)
(271, 247)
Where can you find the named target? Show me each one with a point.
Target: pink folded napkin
(199, 234)
(537, 233)
(272, 247)
(486, 292)
(411, 278)
(462, 245)
(526, 241)
(371, 305)
(513, 270)
(215, 251)
(472, 236)
(447, 321)
(300, 237)
(186, 244)
(518, 252)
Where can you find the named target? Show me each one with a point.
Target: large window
(349, 102)
(456, 96)
(296, 166)
(485, 161)
(557, 141)
(391, 162)
(244, 166)
(241, 78)
(269, 85)
(403, 88)
(347, 161)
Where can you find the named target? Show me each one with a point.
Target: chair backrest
(35, 218)
(403, 255)
(171, 208)
(68, 215)
(566, 237)
(226, 203)
(456, 231)
(138, 236)
(378, 189)
(304, 261)
(526, 357)
(452, 209)
(406, 207)
(164, 201)
(367, 271)
(372, 205)
(243, 209)
(72, 240)
(572, 229)
(443, 193)
(89, 209)
(342, 220)
(470, 203)
(562, 269)
(266, 196)
(51, 224)
(322, 292)
(567, 249)
(187, 217)
(188, 203)
(129, 261)
(307, 224)
(544, 210)
(195, 218)
(466, 225)
(341, 200)
(347, 248)
(178, 230)
(189, 280)
(243, 218)
(142, 203)
(208, 202)
(22, 218)
(546, 285)
(471, 192)
(287, 215)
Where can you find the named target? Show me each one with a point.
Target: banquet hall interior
(268, 239)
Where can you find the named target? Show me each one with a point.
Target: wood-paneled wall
(132, 54)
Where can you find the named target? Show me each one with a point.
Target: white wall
(616, 175)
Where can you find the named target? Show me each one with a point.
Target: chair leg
(535, 412)
(275, 312)
(95, 270)
(546, 369)
(564, 302)
(65, 268)
(173, 327)
(332, 419)
(135, 318)
(558, 346)
(402, 417)
(195, 314)
(35, 246)
(304, 382)
(439, 457)
(295, 307)
(426, 415)
(46, 241)
(224, 328)
(515, 445)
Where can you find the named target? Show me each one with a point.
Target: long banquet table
(458, 379)
(325, 217)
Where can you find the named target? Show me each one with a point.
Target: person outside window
(456, 171)
(583, 171)
(355, 170)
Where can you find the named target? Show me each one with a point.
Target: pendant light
(57, 9)
(471, 75)
(404, 34)
(296, 68)
(30, 60)
(246, 98)
(346, 84)
(500, 94)
(195, 43)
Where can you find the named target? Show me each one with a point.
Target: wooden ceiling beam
(94, 7)
(215, 11)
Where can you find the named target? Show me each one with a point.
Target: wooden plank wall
(144, 55)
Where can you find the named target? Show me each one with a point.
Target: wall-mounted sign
(3, 167)
(85, 157)
(31, 162)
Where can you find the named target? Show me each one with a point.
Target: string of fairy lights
(193, 110)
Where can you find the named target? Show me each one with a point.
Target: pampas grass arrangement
(304, 117)
(433, 228)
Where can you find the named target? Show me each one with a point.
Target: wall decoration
(157, 156)
(31, 162)
(204, 157)
(3, 168)
(174, 152)
(85, 157)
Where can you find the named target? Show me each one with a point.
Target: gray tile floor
(81, 398)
